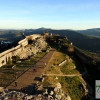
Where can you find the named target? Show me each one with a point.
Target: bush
(9, 61)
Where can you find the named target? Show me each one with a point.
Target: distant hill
(82, 41)
(93, 32)
(10, 34)
(36, 31)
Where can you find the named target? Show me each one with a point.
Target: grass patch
(8, 73)
(52, 67)
(68, 68)
(72, 87)
(6, 79)
(49, 81)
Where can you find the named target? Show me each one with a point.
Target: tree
(9, 61)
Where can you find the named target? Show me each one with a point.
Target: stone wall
(33, 48)
(34, 36)
(23, 49)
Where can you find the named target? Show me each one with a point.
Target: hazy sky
(56, 14)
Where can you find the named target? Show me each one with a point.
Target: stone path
(30, 76)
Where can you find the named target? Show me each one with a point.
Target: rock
(58, 97)
(58, 85)
(1, 89)
(18, 62)
(56, 78)
(51, 93)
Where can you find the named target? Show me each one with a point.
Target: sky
(55, 14)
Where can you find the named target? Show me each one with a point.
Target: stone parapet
(23, 49)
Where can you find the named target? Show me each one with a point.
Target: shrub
(9, 61)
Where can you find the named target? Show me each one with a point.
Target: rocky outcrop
(32, 49)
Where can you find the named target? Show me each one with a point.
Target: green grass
(72, 87)
(53, 67)
(8, 73)
(6, 79)
(68, 68)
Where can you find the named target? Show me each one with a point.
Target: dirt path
(32, 76)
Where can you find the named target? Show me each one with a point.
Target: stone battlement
(16, 50)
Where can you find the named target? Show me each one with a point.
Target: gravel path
(30, 76)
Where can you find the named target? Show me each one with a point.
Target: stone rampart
(34, 36)
(23, 42)
(18, 50)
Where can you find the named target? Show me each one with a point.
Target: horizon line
(43, 28)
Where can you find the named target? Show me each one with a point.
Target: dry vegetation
(67, 82)
(8, 74)
(53, 67)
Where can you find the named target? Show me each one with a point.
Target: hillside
(82, 41)
(10, 34)
(93, 32)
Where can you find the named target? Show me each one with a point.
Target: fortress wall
(3, 60)
(24, 40)
(27, 52)
(24, 43)
(4, 53)
(8, 54)
(34, 36)
(4, 56)
(18, 50)
(17, 47)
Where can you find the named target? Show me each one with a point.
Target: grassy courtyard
(9, 73)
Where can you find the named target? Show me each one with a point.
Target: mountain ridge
(92, 32)
(78, 39)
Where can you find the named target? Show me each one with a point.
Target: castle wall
(18, 50)
(4, 56)
(3, 60)
(23, 42)
(34, 36)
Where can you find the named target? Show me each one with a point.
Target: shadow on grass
(37, 79)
